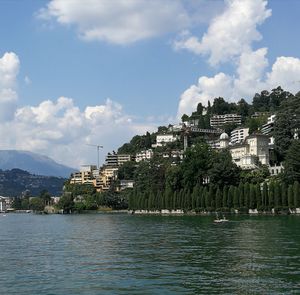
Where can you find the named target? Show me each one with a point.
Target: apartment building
(221, 120)
(144, 155)
(238, 135)
(162, 139)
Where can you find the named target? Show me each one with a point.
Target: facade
(162, 139)
(275, 170)
(2, 204)
(144, 155)
(107, 175)
(220, 120)
(268, 128)
(85, 175)
(238, 135)
(114, 159)
(124, 184)
(254, 148)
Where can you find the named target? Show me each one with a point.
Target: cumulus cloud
(9, 69)
(206, 89)
(118, 21)
(251, 76)
(230, 33)
(62, 131)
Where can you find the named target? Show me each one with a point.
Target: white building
(162, 139)
(275, 170)
(220, 120)
(2, 204)
(238, 135)
(144, 155)
(124, 184)
(255, 147)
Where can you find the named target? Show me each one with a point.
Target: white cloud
(286, 73)
(252, 77)
(229, 34)
(206, 89)
(9, 69)
(62, 131)
(118, 21)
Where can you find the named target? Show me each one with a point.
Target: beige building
(86, 174)
(255, 147)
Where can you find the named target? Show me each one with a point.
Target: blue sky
(151, 69)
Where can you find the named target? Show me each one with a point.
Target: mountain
(16, 181)
(33, 163)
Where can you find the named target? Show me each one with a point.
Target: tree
(225, 196)
(45, 196)
(277, 199)
(292, 163)
(290, 196)
(218, 198)
(36, 204)
(265, 194)
(127, 170)
(271, 194)
(296, 190)
(236, 203)
(284, 195)
(184, 118)
(66, 203)
(223, 170)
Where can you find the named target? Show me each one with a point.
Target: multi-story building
(221, 120)
(85, 175)
(107, 175)
(268, 128)
(254, 148)
(114, 159)
(162, 139)
(144, 155)
(238, 135)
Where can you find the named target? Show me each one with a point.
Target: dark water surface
(124, 254)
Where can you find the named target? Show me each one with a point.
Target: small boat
(221, 220)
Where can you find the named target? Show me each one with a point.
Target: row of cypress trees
(211, 198)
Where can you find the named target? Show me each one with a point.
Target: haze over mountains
(33, 163)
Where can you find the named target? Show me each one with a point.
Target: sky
(74, 73)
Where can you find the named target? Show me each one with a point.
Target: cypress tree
(290, 196)
(251, 196)
(271, 195)
(277, 199)
(207, 199)
(296, 190)
(212, 197)
(246, 194)
(230, 196)
(198, 200)
(258, 196)
(218, 199)
(203, 198)
(236, 203)
(265, 195)
(283, 195)
(224, 197)
(241, 194)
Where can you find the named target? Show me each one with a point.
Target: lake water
(127, 254)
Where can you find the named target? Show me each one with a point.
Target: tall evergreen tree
(236, 203)
(241, 194)
(290, 196)
(265, 195)
(284, 195)
(277, 199)
(271, 195)
(218, 198)
(259, 201)
(246, 194)
(224, 198)
(296, 190)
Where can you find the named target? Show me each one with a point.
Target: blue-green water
(124, 254)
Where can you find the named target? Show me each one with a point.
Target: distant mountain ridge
(33, 163)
